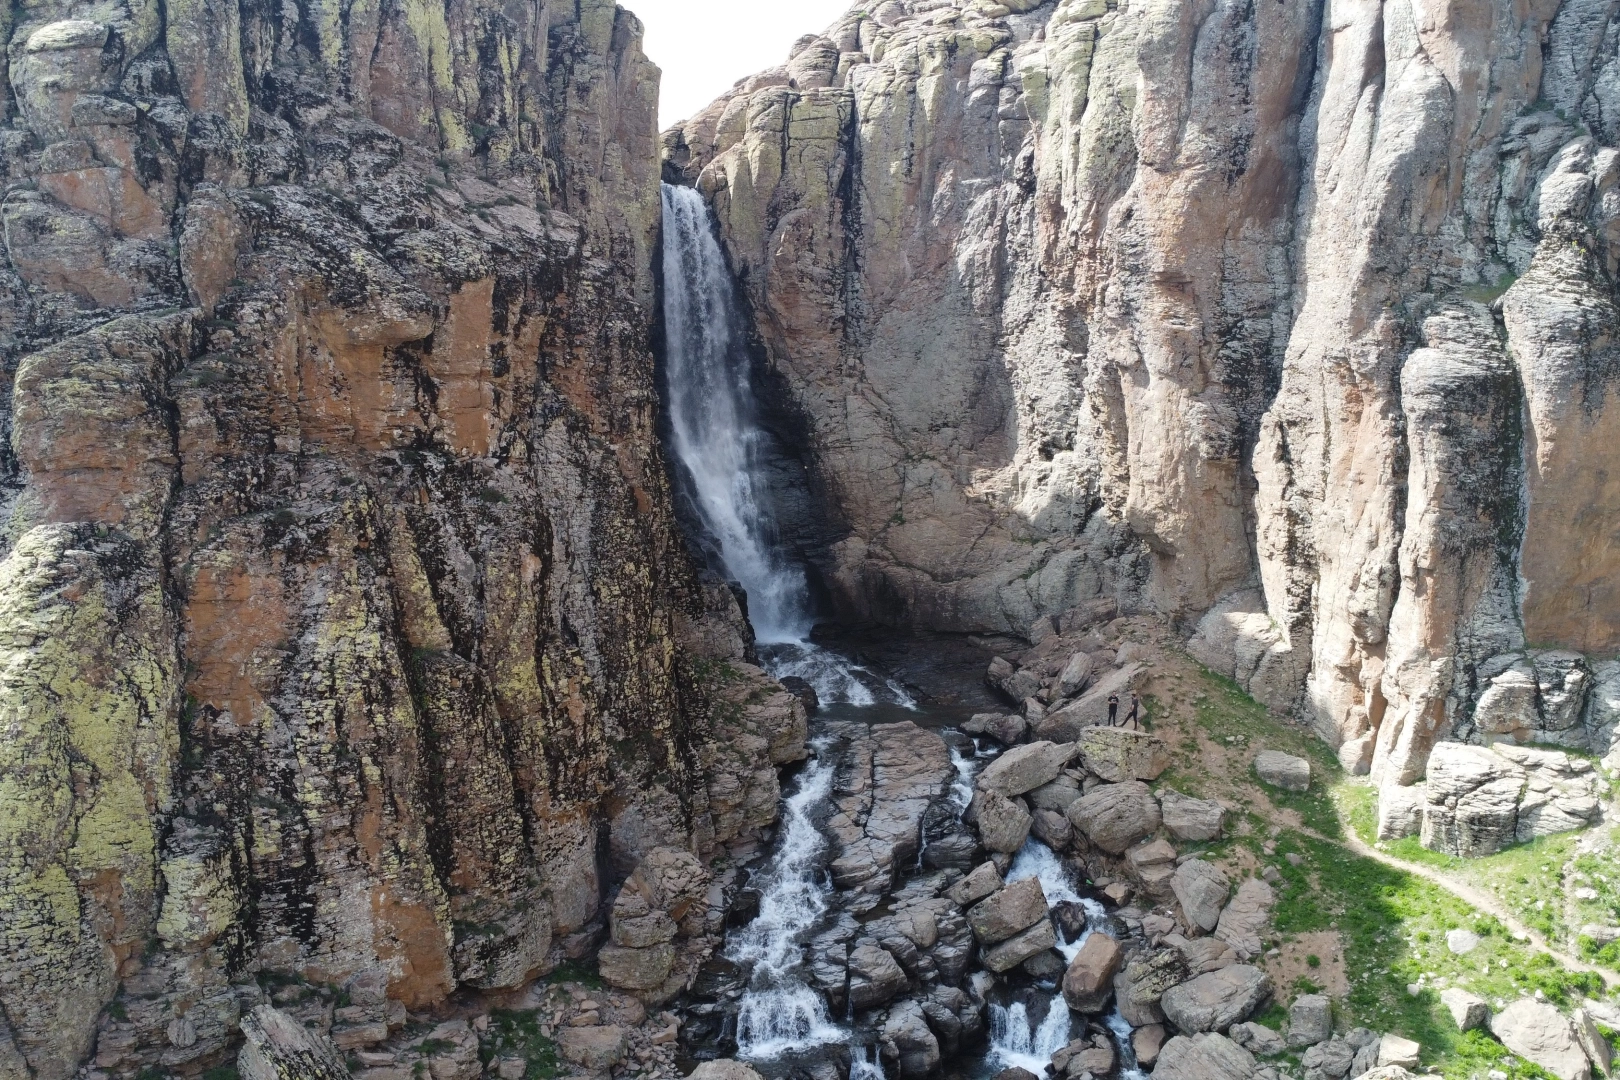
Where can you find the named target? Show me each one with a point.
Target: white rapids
(779, 1011)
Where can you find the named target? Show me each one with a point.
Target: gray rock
(1217, 1000)
(1120, 754)
(636, 969)
(1202, 889)
(1052, 829)
(1003, 823)
(1460, 942)
(1024, 768)
(1257, 1039)
(1245, 919)
(1539, 1033)
(1147, 1041)
(908, 1042)
(1190, 819)
(1089, 982)
(1141, 984)
(1115, 816)
(874, 976)
(1007, 728)
(1395, 1050)
(1076, 674)
(594, 1049)
(1331, 1060)
(277, 1047)
(1015, 908)
(1598, 1050)
(1020, 947)
(1204, 1057)
(1310, 1020)
(1283, 770)
(979, 884)
(723, 1069)
(1056, 796)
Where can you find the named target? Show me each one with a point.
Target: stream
(759, 999)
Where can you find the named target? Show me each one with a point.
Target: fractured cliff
(348, 635)
(1293, 323)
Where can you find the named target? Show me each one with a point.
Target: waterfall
(716, 436)
(1014, 1042)
(779, 1011)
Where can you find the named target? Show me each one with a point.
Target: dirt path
(1475, 897)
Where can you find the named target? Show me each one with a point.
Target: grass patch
(1392, 924)
(517, 1033)
(582, 972)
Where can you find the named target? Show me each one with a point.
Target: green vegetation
(576, 971)
(1392, 924)
(513, 1033)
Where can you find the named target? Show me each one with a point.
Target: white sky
(706, 45)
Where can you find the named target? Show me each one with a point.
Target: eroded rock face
(1155, 305)
(348, 631)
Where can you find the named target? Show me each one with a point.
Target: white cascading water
(715, 434)
(779, 1012)
(1036, 860)
(1014, 1043)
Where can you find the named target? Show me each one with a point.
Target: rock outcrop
(1293, 324)
(349, 634)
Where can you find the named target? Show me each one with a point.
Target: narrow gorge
(1066, 538)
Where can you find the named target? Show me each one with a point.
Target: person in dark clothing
(1113, 709)
(1130, 717)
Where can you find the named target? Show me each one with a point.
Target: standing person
(1130, 717)
(1113, 709)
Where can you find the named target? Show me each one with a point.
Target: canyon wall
(346, 631)
(1293, 323)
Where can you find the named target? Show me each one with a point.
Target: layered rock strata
(347, 632)
(1292, 323)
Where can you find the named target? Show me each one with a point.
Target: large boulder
(1310, 1020)
(1468, 1010)
(1257, 1039)
(1120, 754)
(1471, 804)
(1202, 889)
(1003, 823)
(1204, 1057)
(1539, 1033)
(1021, 946)
(593, 1049)
(723, 1069)
(1333, 1059)
(1140, 986)
(1057, 796)
(275, 1046)
(1015, 908)
(1283, 770)
(1190, 819)
(1024, 768)
(1076, 674)
(908, 1043)
(984, 880)
(1089, 982)
(1217, 1000)
(1243, 924)
(636, 969)
(1115, 816)
(874, 976)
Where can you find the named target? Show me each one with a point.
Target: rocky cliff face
(1293, 323)
(346, 631)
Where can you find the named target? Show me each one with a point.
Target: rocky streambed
(953, 896)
